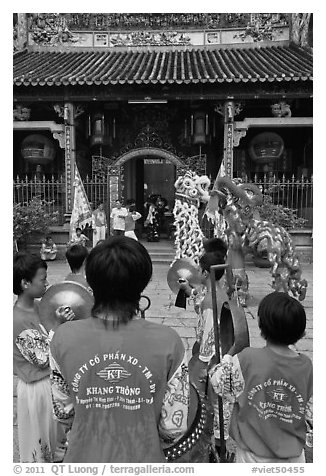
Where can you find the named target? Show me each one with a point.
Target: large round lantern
(38, 149)
(266, 147)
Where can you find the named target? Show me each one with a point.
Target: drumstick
(218, 355)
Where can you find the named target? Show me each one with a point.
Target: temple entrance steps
(162, 251)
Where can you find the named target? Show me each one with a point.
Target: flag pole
(217, 339)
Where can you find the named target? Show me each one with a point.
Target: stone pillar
(228, 138)
(70, 157)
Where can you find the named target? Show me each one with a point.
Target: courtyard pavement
(163, 311)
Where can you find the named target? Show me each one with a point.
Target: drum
(197, 417)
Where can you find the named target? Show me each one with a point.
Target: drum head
(193, 405)
(234, 333)
(67, 293)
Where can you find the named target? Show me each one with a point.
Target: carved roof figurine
(21, 113)
(281, 109)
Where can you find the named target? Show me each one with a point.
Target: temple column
(70, 157)
(228, 138)
(228, 110)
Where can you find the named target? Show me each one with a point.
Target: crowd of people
(114, 387)
(122, 222)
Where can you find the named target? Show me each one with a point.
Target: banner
(81, 213)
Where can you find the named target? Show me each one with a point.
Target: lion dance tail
(285, 265)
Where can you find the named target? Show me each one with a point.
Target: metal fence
(97, 190)
(51, 191)
(292, 193)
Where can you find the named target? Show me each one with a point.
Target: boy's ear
(24, 283)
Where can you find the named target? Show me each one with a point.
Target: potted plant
(31, 219)
(277, 215)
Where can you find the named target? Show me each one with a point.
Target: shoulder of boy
(60, 332)
(247, 354)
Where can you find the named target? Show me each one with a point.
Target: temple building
(137, 99)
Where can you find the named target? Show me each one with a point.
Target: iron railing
(97, 190)
(292, 193)
(51, 191)
(295, 193)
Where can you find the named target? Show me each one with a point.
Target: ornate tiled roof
(184, 66)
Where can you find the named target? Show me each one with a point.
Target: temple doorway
(147, 176)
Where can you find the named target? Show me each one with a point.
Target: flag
(81, 213)
(221, 172)
(212, 208)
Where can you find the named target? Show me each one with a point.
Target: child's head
(215, 245)
(78, 231)
(29, 275)
(281, 318)
(49, 240)
(118, 204)
(215, 251)
(76, 256)
(130, 204)
(118, 270)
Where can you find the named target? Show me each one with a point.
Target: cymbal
(183, 268)
(67, 293)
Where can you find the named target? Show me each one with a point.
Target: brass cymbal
(183, 268)
(67, 293)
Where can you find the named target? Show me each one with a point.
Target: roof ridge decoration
(50, 29)
(146, 29)
(157, 21)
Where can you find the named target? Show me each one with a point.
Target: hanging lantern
(266, 147)
(97, 129)
(200, 128)
(101, 129)
(38, 149)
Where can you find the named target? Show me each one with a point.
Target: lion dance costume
(240, 227)
(190, 191)
(246, 231)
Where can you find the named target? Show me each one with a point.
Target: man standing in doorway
(118, 218)
(99, 224)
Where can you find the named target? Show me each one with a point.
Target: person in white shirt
(48, 249)
(118, 218)
(99, 224)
